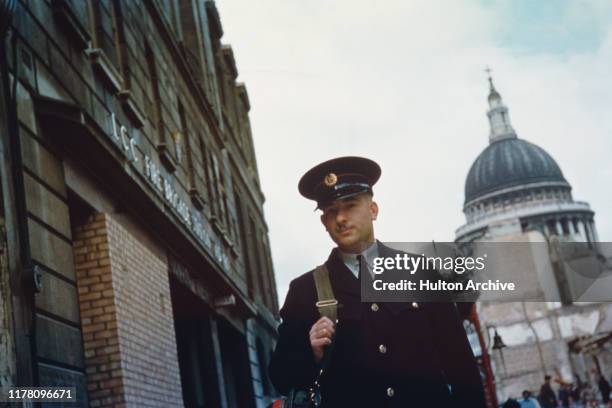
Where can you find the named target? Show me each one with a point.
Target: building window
(269, 274)
(109, 36)
(205, 171)
(220, 77)
(154, 81)
(105, 32)
(242, 238)
(175, 17)
(183, 150)
(166, 148)
(189, 159)
(216, 193)
(225, 206)
(255, 272)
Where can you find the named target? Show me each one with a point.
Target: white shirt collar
(351, 262)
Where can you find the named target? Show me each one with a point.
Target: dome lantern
(499, 120)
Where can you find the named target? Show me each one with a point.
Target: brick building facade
(135, 247)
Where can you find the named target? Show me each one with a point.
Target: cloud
(403, 83)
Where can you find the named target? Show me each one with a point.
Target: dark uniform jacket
(547, 396)
(385, 355)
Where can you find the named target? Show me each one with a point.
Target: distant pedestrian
(511, 403)
(564, 395)
(604, 389)
(528, 401)
(547, 395)
(587, 395)
(577, 389)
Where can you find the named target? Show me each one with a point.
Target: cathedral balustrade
(479, 218)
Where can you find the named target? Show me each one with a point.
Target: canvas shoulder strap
(327, 303)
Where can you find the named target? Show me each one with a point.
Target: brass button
(382, 348)
(415, 305)
(390, 392)
(374, 307)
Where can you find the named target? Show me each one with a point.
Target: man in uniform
(547, 395)
(384, 354)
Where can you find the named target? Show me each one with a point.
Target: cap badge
(330, 180)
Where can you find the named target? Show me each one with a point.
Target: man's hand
(320, 336)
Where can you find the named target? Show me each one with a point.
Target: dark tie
(361, 261)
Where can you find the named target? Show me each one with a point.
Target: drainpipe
(29, 276)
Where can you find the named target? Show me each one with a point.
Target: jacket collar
(342, 278)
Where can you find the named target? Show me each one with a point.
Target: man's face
(349, 222)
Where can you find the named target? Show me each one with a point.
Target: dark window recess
(228, 217)
(236, 367)
(204, 170)
(256, 268)
(263, 359)
(121, 47)
(217, 202)
(104, 69)
(265, 270)
(105, 45)
(122, 51)
(196, 355)
(220, 75)
(209, 177)
(170, 13)
(164, 148)
(175, 17)
(106, 31)
(241, 229)
(194, 192)
(192, 46)
(105, 96)
(73, 19)
(269, 273)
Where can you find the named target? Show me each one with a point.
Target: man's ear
(323, 220)
(374, 209)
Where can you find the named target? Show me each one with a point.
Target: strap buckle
(326, 303)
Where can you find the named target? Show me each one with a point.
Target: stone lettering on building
(153, 174)
(197, 226)
(175, 201)
(121, 137)
(164, 186)
(188, 216)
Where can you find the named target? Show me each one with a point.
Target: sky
(404, 83)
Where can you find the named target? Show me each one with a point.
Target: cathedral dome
(510, 162)
(515, 187)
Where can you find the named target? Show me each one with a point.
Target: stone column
(574, 231)
(587, 230)
(593, 231)
(547, 230)
(574, 226)
(558, 228)
(581, 230)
